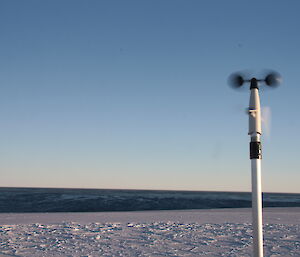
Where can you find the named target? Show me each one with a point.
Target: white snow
(223, 232)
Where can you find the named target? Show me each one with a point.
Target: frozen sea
(214, 232)
(97, 200)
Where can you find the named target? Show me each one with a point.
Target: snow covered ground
(222, 232)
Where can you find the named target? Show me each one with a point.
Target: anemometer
(237, 80)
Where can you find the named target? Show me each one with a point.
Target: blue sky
(134, 94)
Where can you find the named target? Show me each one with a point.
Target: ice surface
(153, 233)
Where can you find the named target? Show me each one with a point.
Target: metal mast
(236, 80)
(255, 156)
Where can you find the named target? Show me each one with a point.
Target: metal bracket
(255, 150)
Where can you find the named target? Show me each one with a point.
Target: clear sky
(134, 94)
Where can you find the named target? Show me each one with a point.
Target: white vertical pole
(257, 208)
(255, 132)
(255, 156)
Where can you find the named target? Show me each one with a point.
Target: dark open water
(97, 200)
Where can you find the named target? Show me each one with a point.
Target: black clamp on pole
(255, 150)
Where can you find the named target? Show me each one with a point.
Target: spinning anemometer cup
(238, 79)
